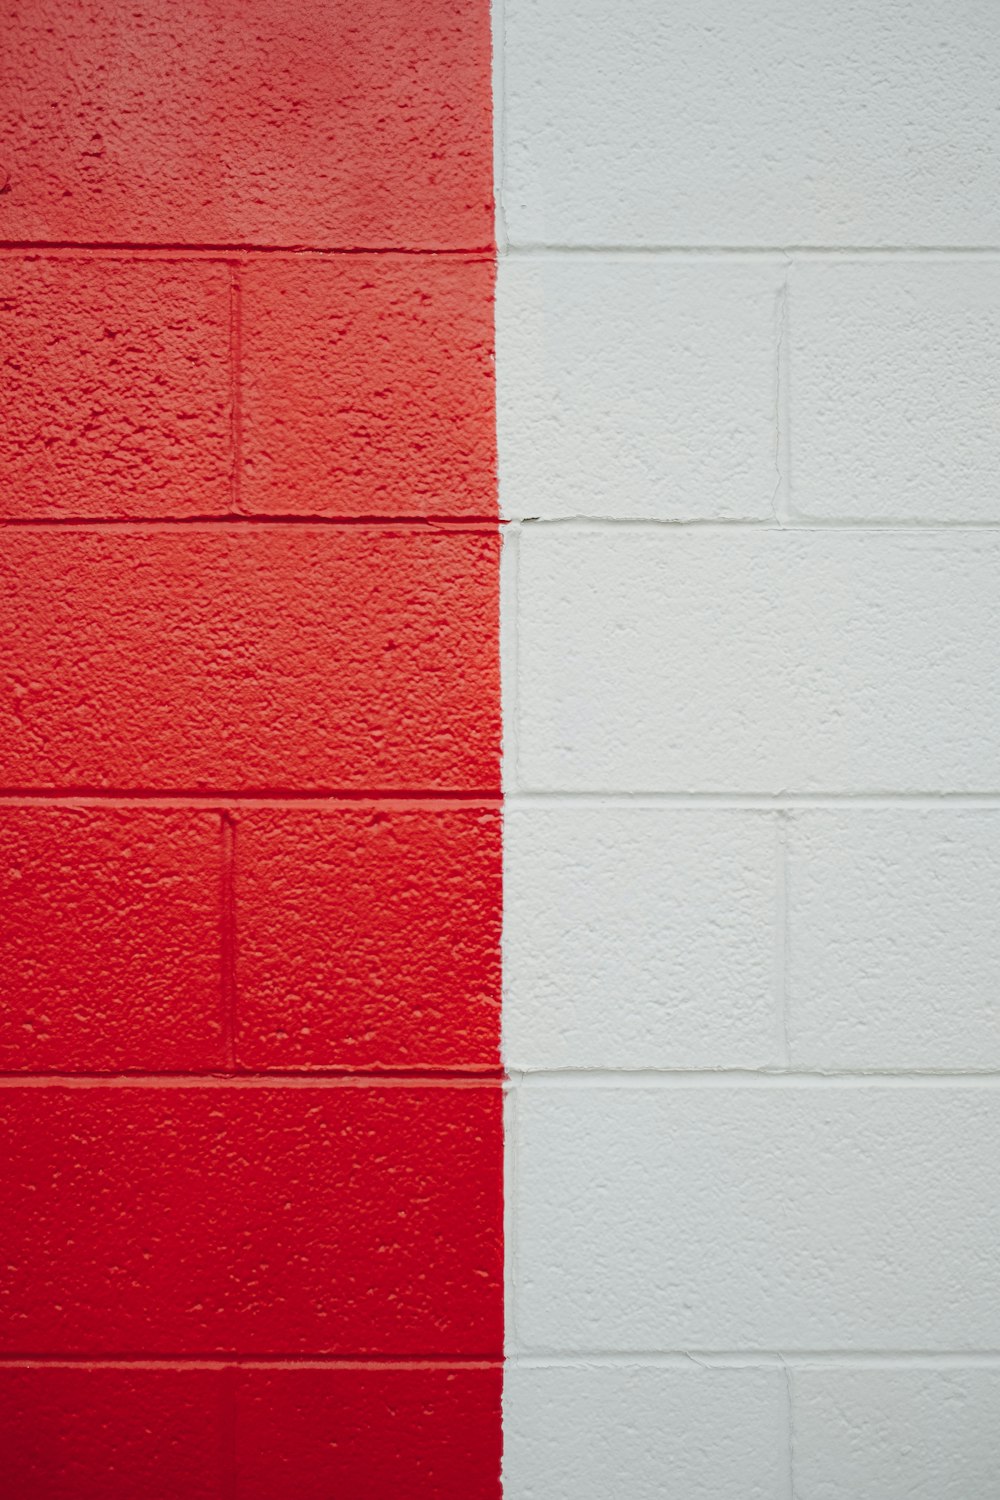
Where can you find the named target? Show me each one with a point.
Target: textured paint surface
(896, 368)
(291, 658)
(806, 660)
(305, 1220)
(135, 1434)
(111, 941)
(368, 1434)
(342, 386)
(368, 386)
(893, 1433)
(868, 1220)
(116, 387)
(893, 945)
(748, 370)
(317, 124)
(250, 1098)
(672, 911)
(368, 937)
(253, 1434)
(707, 123)
(628, 387)
(571, 1433)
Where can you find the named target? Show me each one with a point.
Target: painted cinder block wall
(250, 752)
(748, 397)
(250, 740)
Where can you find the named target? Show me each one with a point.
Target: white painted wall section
(759, 661)
(894, 378)
(893, 921)
(578, 1432)
(896, 1433)
(641, 937)
(749, 422)
(722, 122)
(757, 1218)
(638, 386)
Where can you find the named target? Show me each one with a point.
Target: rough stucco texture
(209, 122)
(358, 1219)
(369, 937)
(330, 659)
(250, 852)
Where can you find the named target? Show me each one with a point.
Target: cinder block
(895, 1432)
(428, 1434)
(639, 938)
(586, 1433)
(143, 1433)
(757, 1217)
(759, 661)
(110, 944)
(306, 124)
(713, 124)
(895, 366)
(369, 937)
(635, 387)
(249, 1219)
(69, 1433)
(893, 942)
(368, 386)
(116, 388)
(250, 659)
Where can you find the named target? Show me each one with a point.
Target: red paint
(116, 380)
(110, 940)
(368, 386)
(274, 659)
(207, 121)
(228, 1219)
(368, 937)
(210, 361)
(368, 1434)
(113, 1434)
(250, 1434)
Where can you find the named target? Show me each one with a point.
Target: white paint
(759, 661)
(637, 938)
(637, 387)
(894, 939)
(722, 122)
(583, 1433)
(752, 760)
(897, 1434)
(738, 1218)
(895, 375)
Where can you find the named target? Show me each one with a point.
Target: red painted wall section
(387, 955)
(351, 1218)
(196, 122)
(117, 386)
(152, 386)
(111, 939)
(250, 658)
(367, 385)
(308, 1432)
(249, 751)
